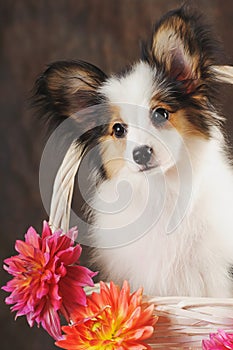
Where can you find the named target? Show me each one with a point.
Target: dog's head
(151, 111)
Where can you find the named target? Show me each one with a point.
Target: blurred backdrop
(32, 34)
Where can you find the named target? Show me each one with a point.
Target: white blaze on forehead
(135, 88)
(132, 94)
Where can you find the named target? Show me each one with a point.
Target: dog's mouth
(148, 167)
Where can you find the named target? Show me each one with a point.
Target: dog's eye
(159, 116)
(119, 130)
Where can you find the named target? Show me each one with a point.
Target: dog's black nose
(142, 155)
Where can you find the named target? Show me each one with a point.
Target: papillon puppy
(162, 209)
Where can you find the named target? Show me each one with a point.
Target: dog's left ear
(181, 45)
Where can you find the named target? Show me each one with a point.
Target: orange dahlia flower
(113, 319)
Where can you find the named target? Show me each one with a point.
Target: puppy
(162, 207)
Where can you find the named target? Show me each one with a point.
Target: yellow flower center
(106, 327)
(33, 270)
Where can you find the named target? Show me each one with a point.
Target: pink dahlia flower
(218, 341)
(47, 278)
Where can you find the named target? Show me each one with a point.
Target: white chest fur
(194, 259)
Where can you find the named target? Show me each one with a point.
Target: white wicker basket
(184, 322)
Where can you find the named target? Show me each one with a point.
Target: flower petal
(46, 232)
(24, 248)
(70, 255)
(32, 238)
(51, 323)
(218, 341)
(81, 275)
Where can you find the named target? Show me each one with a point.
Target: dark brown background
(32, 34)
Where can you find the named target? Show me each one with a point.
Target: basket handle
(63, 187)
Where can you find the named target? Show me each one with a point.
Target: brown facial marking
(186, 126)
(183, 125)
(112, 148)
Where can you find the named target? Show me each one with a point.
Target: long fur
(168, 229)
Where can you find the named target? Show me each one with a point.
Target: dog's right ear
(183, 48)
(67, 87)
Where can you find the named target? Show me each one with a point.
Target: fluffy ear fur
(182, 46)
(67, 87)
